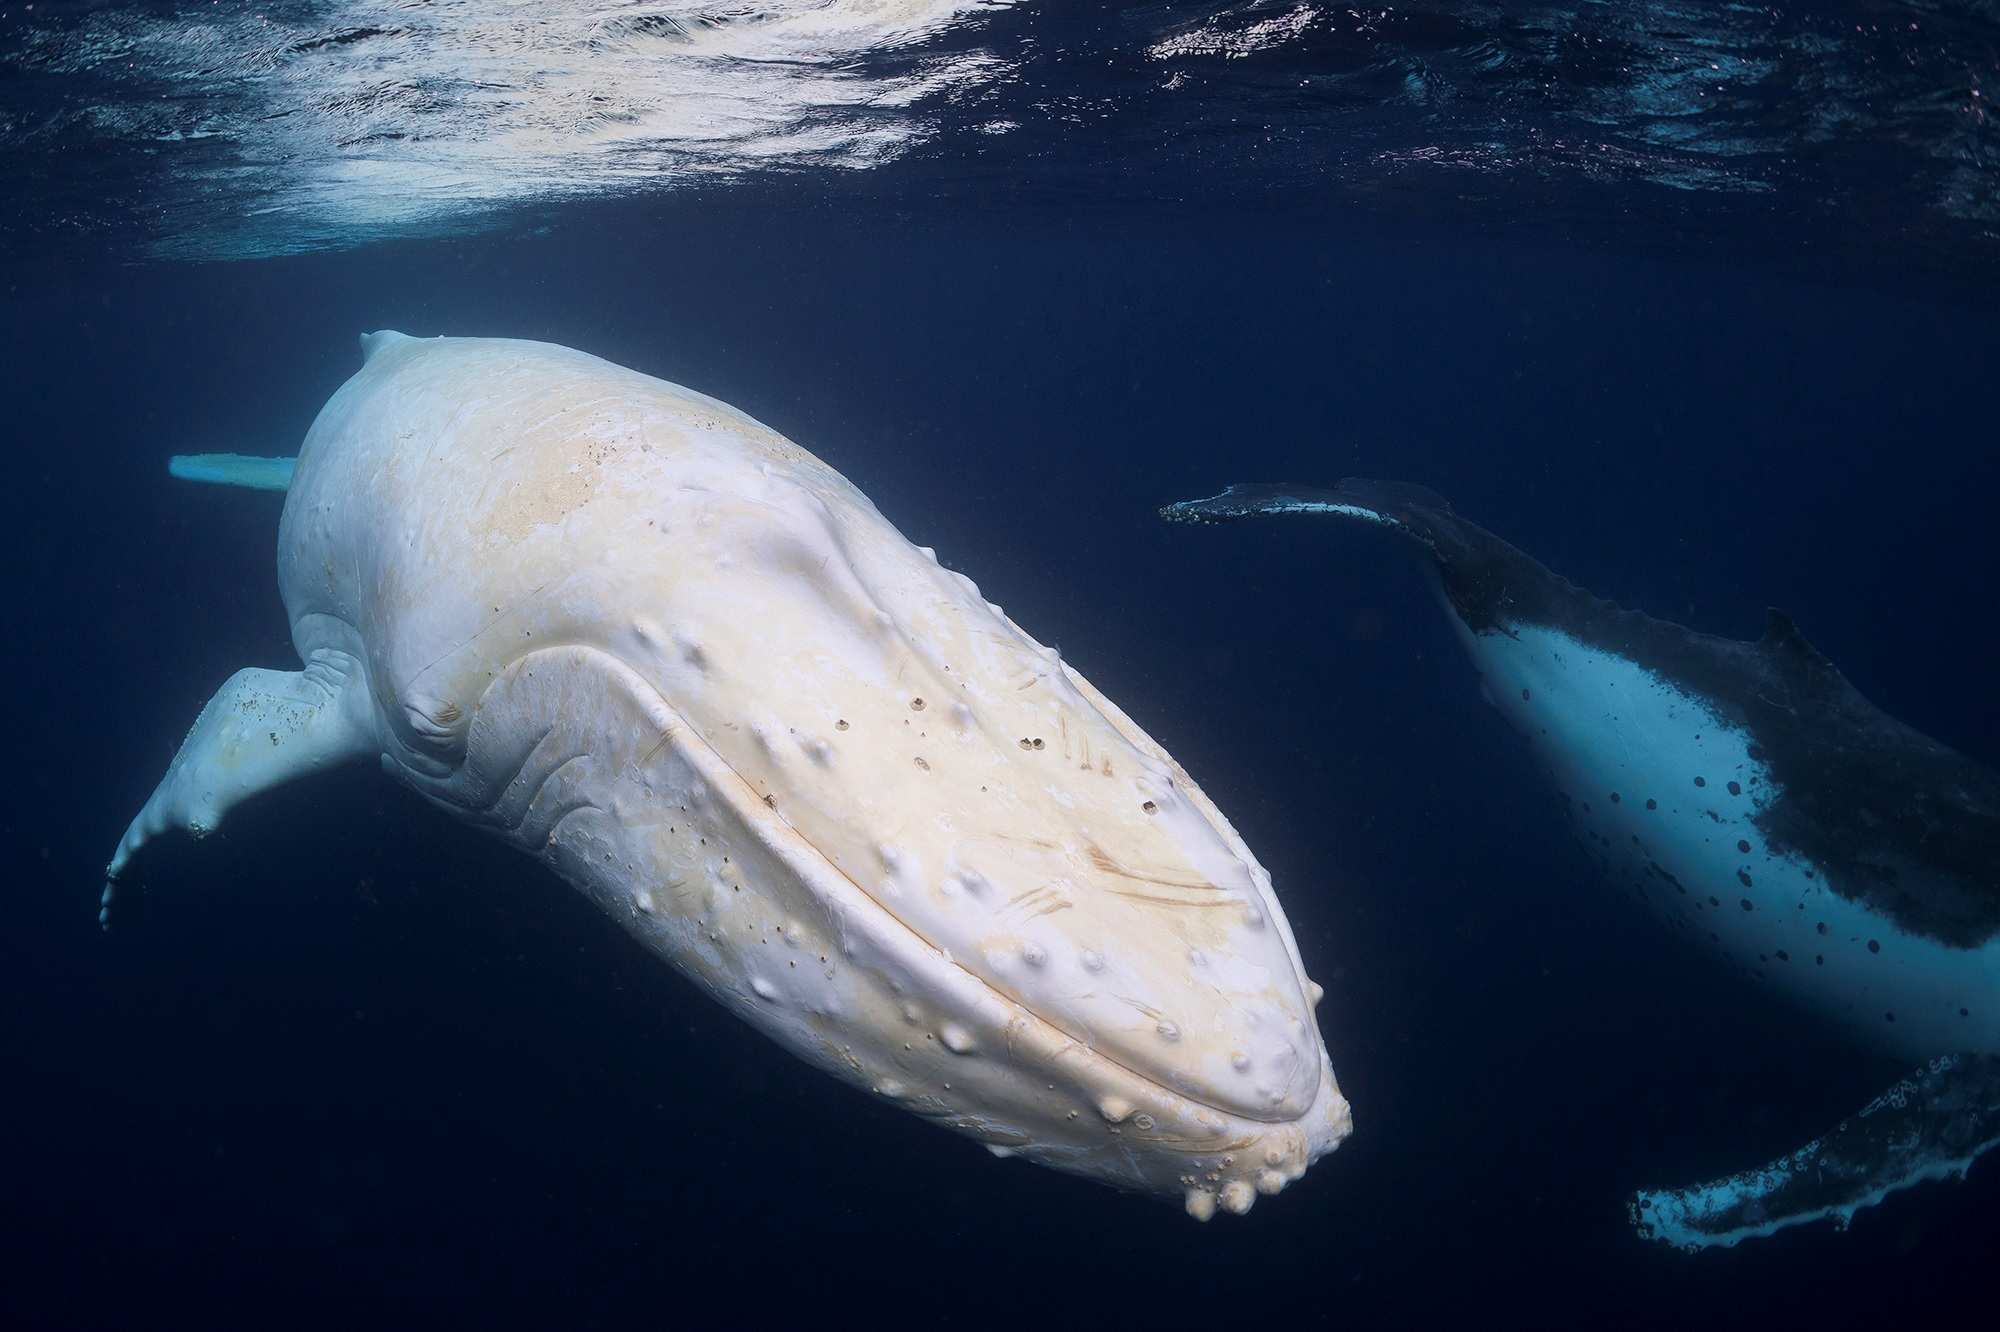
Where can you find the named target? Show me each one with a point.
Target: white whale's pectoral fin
(261, 730)
(1931, 1125)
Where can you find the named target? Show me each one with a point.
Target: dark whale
(1761, 806)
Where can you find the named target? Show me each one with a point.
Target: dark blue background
(349, 1059)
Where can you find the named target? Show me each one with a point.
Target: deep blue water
(349, 1060)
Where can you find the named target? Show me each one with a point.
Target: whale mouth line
(691, 734)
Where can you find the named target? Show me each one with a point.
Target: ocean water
(1692, 302)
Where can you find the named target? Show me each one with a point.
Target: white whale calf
(690, 667)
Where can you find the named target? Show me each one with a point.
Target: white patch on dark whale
(1617, 736)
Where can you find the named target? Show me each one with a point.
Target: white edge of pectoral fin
(1931, 1125)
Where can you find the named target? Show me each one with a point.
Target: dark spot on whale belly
(1614, 797)
(1652, 804)
(1874, 946)
(1784, 956)
(1524, 696)
(1747, 905)
(1743, 877)
(1743, 846)
(1734, 789)
(1701, 781)
(1822, 927)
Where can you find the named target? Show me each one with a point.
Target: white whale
(691, 668)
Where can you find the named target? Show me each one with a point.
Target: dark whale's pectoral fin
(1389, 503)
(1459, 549)
(1931, 1125)
(261, 730)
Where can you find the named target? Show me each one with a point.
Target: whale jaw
(624, 799)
